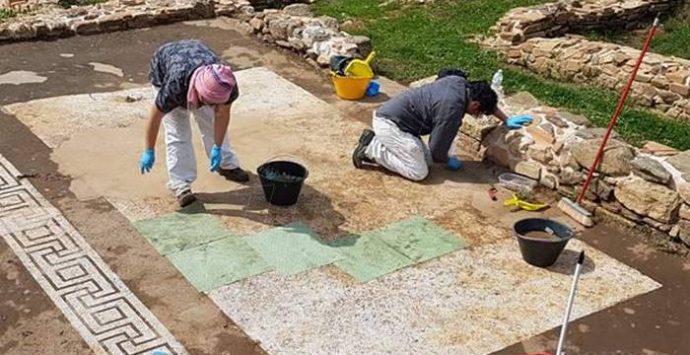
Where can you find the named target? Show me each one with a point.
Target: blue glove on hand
(454, 164)
(215, 158)
(146, 161)
(517, 122)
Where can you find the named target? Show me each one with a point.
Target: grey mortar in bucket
(543, 249)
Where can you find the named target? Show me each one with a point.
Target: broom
(573, 208)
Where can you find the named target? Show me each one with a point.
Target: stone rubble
(318, 38)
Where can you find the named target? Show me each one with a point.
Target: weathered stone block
(523, 100)
(684, 212)
(682, 163)
(480, 128)
(571, 177)
(499, 155)
(530, 169)
(257, 24)
(278, 28)
(680, 76)
(664, 227)
(549, 180)
(660, 82)
(302, 10)
(658, 149)
(648, 199)
(684, 191)
(556, 120)
(596, 132)
(684, 232)
(616, 160)
(650, 170)
(541, 153)
(86, 27)
(680, 89)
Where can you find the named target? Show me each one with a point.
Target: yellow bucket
(350, 88)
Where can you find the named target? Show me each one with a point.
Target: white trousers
(180, 150)
(399, 151)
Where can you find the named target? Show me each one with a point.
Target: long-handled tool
(569, 307)
(573, 209)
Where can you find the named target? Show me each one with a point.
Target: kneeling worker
(435, 109)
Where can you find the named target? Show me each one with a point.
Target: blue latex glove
(454, 164)
(148, 157)
(517, 122)
(215, 158)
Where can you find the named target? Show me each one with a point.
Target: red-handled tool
(617, 112)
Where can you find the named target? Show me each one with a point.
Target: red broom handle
(617, 112)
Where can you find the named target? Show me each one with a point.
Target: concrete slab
(292, 249)
(218, 263)
(472, 301)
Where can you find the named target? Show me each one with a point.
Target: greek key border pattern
(108, 316)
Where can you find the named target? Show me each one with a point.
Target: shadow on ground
(568, 259)
(314, 208)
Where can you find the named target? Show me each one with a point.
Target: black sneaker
(358, 156)
(186, 198)
(236, 175)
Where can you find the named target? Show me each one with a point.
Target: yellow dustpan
(361, 68)
(517, 202)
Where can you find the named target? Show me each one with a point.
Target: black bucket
(282, 181)
(542, 252)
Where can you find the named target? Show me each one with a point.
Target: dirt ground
(653, 323)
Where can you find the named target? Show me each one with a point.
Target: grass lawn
(415, 41)
(7, 13)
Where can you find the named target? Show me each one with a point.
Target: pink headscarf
(211, 84)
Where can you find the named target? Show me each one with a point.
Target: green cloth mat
(218, 263)
(366, 258)
(419, 239)
(292, 249)
(179, 231)
(393, 247)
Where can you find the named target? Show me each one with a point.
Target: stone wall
(112, 16)
(557, 19)
(292, 27)
(318, 38)
(662, 83)
(647, 186)
(523, 38)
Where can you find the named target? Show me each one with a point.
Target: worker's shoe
(236, 175)
(186, 198)
(359, 156)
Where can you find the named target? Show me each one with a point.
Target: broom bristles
(576, 212)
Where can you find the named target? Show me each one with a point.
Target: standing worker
(435, 109)
(190, 78)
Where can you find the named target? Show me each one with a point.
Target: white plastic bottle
(497, 81)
